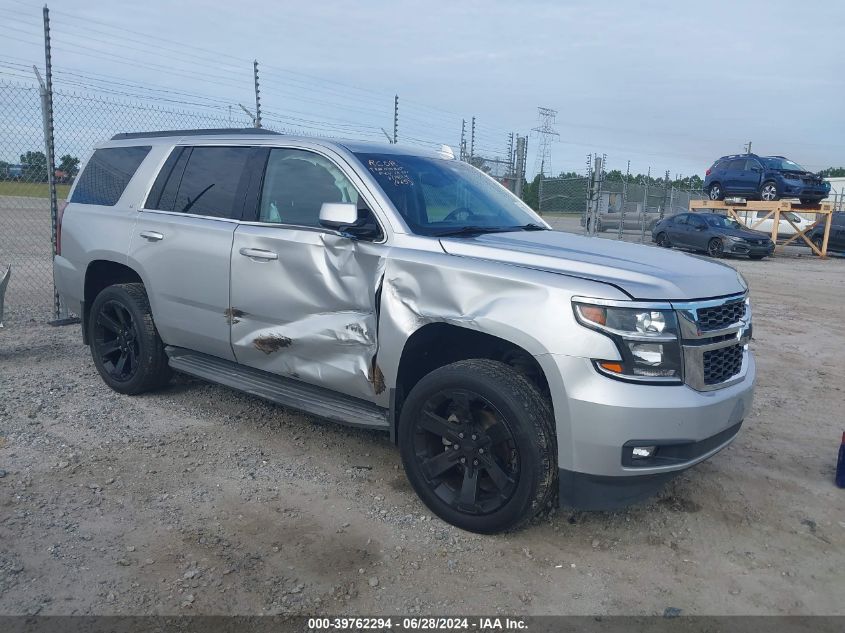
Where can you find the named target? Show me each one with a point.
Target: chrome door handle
(258, 253)
(152, 236)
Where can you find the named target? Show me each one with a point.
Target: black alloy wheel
(715, 248)
(478, 444)
(466, 451)
(115, 340)
(663, 240)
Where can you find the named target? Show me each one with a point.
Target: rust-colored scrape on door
(233, 315)
(270, 343)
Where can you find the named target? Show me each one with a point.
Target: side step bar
(294, 394)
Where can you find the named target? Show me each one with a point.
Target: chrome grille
(722, 364)
(722, 316)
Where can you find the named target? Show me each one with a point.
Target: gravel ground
(201, 500)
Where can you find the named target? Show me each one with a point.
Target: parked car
(760, 222)
(836, 237)
(713, 234)
(763, 177)
(397, 289)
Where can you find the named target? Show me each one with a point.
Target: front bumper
(597, 416)
(744, 248)
(800, 190)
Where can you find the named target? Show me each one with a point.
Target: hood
(747, 234)
(643, 272)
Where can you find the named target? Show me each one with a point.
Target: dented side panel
(527, 307)
(310, 314)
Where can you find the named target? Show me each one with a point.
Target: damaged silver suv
(391, 288)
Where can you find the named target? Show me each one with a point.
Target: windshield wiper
(471, 230)
(533, 227)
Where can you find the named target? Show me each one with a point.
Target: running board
(294, 394)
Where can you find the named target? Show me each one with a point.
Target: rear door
(739, 177)
(304, 298)
(182, 244)
(677, 229)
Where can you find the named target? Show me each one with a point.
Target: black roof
(207, 132)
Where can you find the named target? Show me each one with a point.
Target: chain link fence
(80, 122)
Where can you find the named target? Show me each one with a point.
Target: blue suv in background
(764, 178)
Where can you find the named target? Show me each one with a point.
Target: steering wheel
(454, 213)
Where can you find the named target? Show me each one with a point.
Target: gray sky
(670, 85)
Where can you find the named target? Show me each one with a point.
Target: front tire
(769, 192)
(478, 445)
(125, 345)
(715, 248)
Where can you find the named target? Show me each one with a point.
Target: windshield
(441, 196)
(782, 164)
(723, 222)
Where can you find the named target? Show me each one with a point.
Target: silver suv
(391, 288)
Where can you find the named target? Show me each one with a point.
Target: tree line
(33, 168)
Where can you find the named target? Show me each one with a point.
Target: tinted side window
(681, 219)
(737, 165)
(297, 183)
(212, 183)
(107, 174)
(838, 219)
(696, 221)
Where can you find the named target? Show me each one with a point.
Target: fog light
(643, 452)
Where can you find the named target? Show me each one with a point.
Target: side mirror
(338, 215)
(349, 220)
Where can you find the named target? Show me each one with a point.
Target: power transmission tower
(546, 135)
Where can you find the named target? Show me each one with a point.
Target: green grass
(31, 189)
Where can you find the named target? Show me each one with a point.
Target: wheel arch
(100, 274)
(438, 344)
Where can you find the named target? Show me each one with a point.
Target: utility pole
(521, 148)
(257, 94)
(463, 140)
(748, 148)
(472, 141)
(395, 119)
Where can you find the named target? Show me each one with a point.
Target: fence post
(257, 93)
(46, 90)
(624, 200)
(395, 119)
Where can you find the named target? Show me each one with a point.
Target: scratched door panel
(303, 305)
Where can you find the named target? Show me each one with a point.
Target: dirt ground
(202, 500)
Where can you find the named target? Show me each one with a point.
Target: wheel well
(100, 275)
(438, 344)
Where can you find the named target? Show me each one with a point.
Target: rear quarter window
(107, 174)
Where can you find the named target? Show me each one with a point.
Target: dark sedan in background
(712, 233)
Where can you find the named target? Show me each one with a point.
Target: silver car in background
(391, 288)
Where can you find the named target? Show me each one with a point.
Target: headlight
(647, 340)
(738, 240)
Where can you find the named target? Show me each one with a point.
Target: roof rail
(206, 132)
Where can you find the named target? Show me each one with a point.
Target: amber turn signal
(594, 313)
(611, 366)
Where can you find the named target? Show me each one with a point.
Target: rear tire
(663, 240)
(715, 192)
(125, 345)
(478, 445)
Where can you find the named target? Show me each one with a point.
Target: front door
(182, 245)
(697, 235)
(303, 298)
